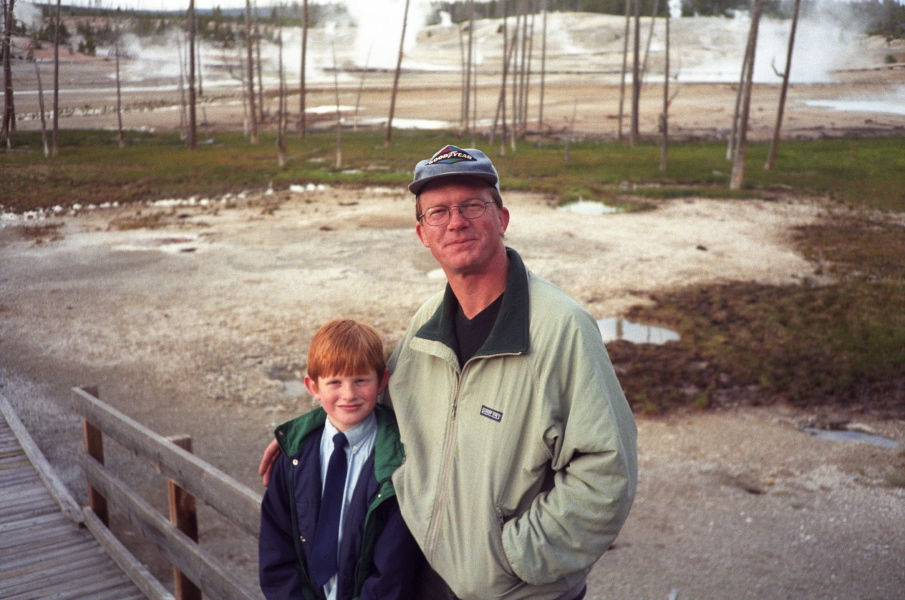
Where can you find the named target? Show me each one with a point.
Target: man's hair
(345, 347)
(494, 193)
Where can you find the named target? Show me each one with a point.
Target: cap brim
(415, 187)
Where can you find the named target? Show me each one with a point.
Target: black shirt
(472, 333)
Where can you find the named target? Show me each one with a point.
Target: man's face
(462, 246)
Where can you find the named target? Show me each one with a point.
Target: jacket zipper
(440, 504)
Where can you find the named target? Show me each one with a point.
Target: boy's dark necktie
(325, 547)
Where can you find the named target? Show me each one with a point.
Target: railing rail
(190, 477)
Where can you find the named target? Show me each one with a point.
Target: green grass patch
(91, 168)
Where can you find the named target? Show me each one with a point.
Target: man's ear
(419, 229)
(504, 220)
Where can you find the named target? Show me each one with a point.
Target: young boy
(330, 524)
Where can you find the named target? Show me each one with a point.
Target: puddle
(589, 208)
(617, 328)
(845, 435)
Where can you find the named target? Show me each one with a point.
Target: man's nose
(455, 214)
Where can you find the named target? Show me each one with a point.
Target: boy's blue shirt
(377, 553)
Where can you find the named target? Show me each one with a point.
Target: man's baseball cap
(454, 161)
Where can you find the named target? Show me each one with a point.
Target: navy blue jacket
(378, 558)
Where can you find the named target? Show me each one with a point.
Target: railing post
(184, 516)
(94, 446)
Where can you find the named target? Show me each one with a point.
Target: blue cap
(454, 161)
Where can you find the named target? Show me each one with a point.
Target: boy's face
(348, 399)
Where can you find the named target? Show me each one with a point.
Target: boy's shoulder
(291, 434)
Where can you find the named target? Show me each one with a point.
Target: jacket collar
(510, 333)
(388, 449)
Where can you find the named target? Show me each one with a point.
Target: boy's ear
(311, 384)
(384, 380)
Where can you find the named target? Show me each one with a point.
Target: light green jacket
(521, 466)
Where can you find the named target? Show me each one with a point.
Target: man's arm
(271, 454)
(568, 528)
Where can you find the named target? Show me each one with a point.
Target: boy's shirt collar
(355, 434)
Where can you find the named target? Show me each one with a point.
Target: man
(521, 459)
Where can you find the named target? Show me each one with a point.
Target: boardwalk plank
(44, 553)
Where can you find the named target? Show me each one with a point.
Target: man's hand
(270, 456)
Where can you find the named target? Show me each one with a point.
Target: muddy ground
(200, 326)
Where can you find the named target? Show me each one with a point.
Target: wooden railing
(190, 478)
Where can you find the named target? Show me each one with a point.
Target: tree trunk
(281, 101)
(41, 108)
(259, 68)
(543, 67)
(650, 36)
(55, 146)
(389, 135)
(636, 77)
(774, 144)
(338, 164)
(9, 111)
(303, 89)
(502, 103)
(664, 118)
(250, 67)
(738, 164)
(119, 96)
(192, 141)
(626, 35)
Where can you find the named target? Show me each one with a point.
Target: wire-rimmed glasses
(440, 215)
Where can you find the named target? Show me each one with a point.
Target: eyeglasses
(440, 215)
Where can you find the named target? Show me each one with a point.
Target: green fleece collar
(510, 333)
(388, 450)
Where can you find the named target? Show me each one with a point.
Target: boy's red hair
(345, 347)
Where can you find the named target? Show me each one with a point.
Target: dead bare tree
(468, 70)
(636, 77)
(183, 119)
(250, 91)
(664, 117)
(738, 163)
(774, 144)
(501, 103)
(650, 36)
(41, 109)
(55, 146)
(527, 50)
(281, 101)
(192, 140)
(303, 88)
(9, 111)
(119, 96)
(625, 36)
(543, 65)
(338, 164)
(389, 135)
(259, 69)
(361, 89)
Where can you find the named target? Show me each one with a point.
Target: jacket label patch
(491, 414)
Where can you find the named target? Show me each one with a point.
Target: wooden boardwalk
(45, 551)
